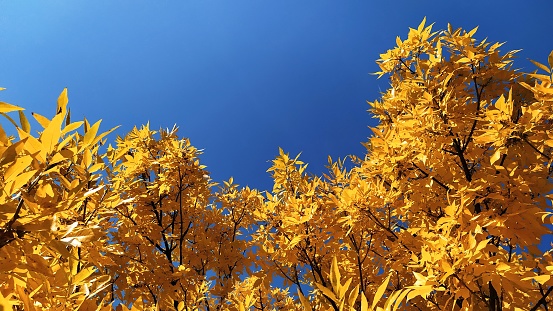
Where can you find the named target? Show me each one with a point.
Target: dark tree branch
(542, 300)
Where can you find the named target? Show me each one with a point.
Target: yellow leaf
(138, 305)
(71, 127)
(473, 31)
(68, 117)
(392, 299)
(295, 240)
(398, 41)
(32, 145)
(62, 145)
(353, 295)
(60, 248)
(481, 245)
(87, 158)
(343, 288)
(335, 275)
(399, 299)
(62, 102)
(92, 191)
(104, 134)
(43, 121)
(7, 302)
(38, 264)
(70, 228)
(423, 291)
(463, 60)
(502, 267)
(380, 291)
(90, 134)
(3, 137)
(73, 260)
(540, 65)
(304, 301)
(41, 224)
(28, 305)
(86, 125)
(550, 60)
(364, 303)
(5, 107)
(421, 25)
(122, 307)
(505, 106)
(25, 125)
(51, 135)
(17, 168)
(341, 307)
(421, 279)
(327, 292)
(496, 155)
(83, 274)
(10, 154)
(21, 180)
(542, 279)
(10, 119)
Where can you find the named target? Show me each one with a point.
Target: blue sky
(240, 78)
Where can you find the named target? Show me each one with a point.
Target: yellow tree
(446, 210)
(462, 161)
(50, 212)
(137, 225)
(448, 206)
(172, 246)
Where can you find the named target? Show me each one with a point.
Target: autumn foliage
(446, 210)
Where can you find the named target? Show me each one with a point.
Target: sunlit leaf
(43, 121)
(51, 135)
(62, 103)
(5, 107)
(380, 291)
(83, 275)
(25, 125)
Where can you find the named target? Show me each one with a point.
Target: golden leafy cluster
(446, 210)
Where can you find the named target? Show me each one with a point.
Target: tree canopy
(447, 209)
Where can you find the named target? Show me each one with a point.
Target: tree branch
(542, 300)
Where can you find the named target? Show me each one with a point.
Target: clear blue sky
(240, 78)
